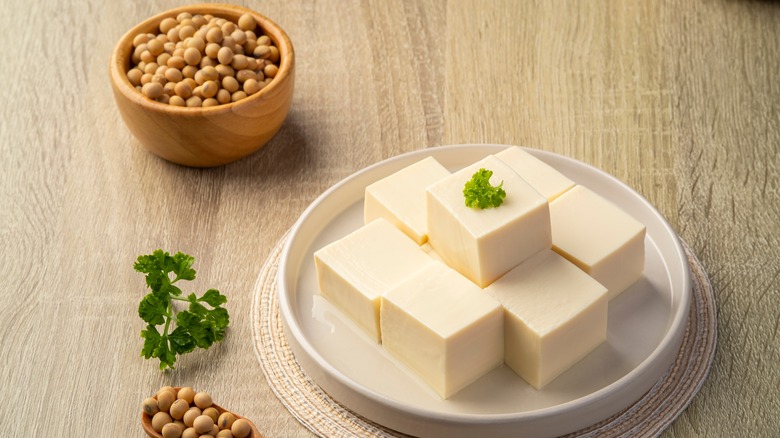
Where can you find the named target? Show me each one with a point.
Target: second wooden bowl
(146, 422)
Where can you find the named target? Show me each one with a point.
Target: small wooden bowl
(146, 421)
(212, 136)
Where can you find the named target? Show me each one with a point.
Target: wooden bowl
(204, 137)
(146, 421)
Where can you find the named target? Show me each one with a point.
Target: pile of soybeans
(202, 60)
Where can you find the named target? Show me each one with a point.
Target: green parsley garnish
(197, 327)
(480, 194)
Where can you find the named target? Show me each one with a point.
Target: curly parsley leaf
(152, 309)
(183, 266)
(199, 326)
(479, 193)
(152, 340)
(181, 341)
(213, 298)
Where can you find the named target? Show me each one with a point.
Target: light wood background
(679, 98)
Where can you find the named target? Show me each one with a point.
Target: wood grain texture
(726, 129)
(680, 99)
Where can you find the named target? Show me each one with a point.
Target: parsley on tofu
(479, 193)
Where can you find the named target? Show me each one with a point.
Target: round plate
(645, 327)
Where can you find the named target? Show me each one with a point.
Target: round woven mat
(649, 416)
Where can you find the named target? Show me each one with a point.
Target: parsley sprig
(198, 326)
(479, 193)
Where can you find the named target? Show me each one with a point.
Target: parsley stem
(179, 298)
(167, 322)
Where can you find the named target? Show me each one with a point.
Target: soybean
(246, 22)
(203, 400)
(160, 419)
(241, 428)
(203, 424)
(171, 430)
(186, 393)
(150, 406)
(194, 412)
(226, 420)
(164, 398)
(179, 408)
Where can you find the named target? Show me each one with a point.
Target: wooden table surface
(680, 99)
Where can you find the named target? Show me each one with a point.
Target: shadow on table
(285, 154)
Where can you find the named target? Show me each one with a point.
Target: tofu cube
(400, 198)
(443, 327)
(485, 244)
(598, 237)
(355, 271)
(555, 315)
(547, 181)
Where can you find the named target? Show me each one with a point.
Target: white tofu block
(547, 181)
(443, 327)
(400, 198)
(599, 237)
(485, 244)
(355, 271)
(555, 315)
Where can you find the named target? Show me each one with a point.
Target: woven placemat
(325, 417)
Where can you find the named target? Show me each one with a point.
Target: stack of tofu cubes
(453, 292)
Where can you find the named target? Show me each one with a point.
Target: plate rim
(670, 341)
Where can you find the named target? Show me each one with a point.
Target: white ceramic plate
(645, 326)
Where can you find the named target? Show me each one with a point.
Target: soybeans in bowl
(181, 412)
(204, 85)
